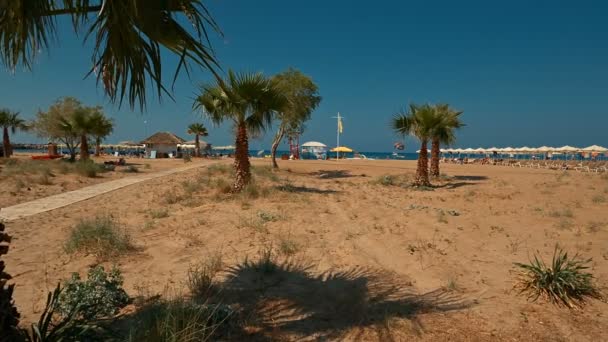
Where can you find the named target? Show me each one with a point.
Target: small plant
(201, 276)
(251, 191)
(187, 158)
(101, 236)
(148, 225)
(253, 222)
(190, 187)
(53, 326)
(266, 216)
(179, 320)
(171, 197)
(386, 180)
(597, 199)
(565, 281)
(288, 246)
(147, 166)
(266, 263)
(594, 227)
(566, 212)
(565, 224)
(222, 185)
(160, 213)
(452, 285)
(99, 296)
(44, 179)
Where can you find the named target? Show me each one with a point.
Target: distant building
(162, 145)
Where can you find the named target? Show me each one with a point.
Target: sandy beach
(360, 257)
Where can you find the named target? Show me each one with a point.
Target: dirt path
(45, 204)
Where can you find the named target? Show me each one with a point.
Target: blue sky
(524, 72)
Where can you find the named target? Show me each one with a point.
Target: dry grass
(101, 236)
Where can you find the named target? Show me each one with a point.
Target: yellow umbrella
(341, 149)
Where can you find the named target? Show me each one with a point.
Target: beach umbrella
(545, 149)
(313, 144)
(493, 149)
(567, 149)
(595, 148)
(480, 150)
(223, 148)
(341, 149)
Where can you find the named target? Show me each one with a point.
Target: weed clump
(160, 213)
(101, 236)
(87, 168)
(565, 281)
(201, 276)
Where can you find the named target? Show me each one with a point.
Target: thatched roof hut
(163, 138)
(162, 144)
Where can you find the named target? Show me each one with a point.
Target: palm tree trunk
(241, 159)
(6, 143)
(422, 170)
(197, 146)
(97, 147)
(435, 158)
(84, 147)
(275, 145)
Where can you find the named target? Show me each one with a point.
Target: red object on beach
(46, 157)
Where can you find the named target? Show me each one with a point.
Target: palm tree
(82, 123)
(101, 128)
(199, 130)
(249, 101)
(10, 121)
(302, 98)
(128, 37)
(448, 122)
(420, 122)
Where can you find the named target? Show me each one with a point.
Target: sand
(369, 262)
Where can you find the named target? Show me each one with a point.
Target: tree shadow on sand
(290, 299)
(332, 174)
(303, 189)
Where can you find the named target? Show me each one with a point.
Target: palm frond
(128, 38)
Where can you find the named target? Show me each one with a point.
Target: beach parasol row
(526, 149)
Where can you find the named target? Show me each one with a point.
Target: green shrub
(179, 320)
(99, 296)
(565, 281)
(187, 158)
(101, 236)
(54, 326)
(597, 199)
